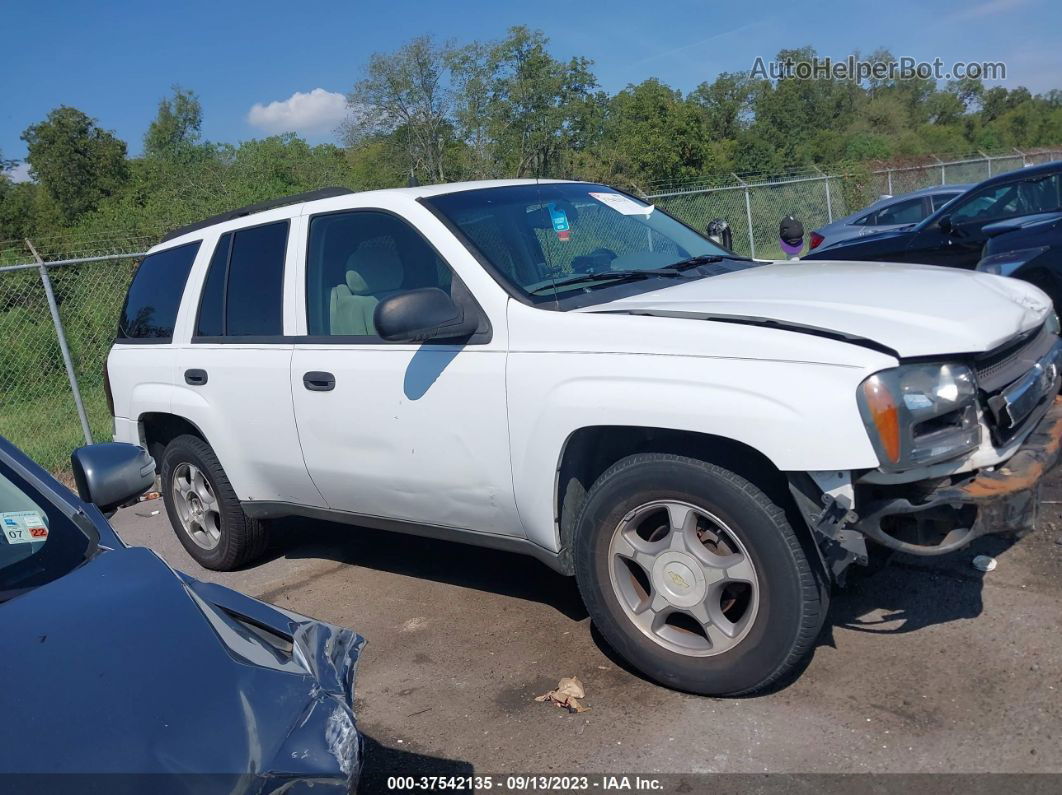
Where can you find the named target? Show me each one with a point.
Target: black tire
(242, 539)
(793, 594)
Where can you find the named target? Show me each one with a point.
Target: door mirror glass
(111, 474)
(421, 315)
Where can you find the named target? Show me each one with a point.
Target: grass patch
(47, 427)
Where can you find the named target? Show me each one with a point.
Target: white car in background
(555, 368)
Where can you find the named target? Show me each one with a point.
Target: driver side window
(356, 259)
(1010, 200)
(999, 201)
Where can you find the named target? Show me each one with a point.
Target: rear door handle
(195, 377)
(317, 381)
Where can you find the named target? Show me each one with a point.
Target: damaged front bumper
(937, 517)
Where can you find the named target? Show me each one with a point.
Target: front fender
(801, 416)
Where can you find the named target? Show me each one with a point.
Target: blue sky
(116, 60)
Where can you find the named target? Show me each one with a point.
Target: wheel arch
(159, 428)
(589, 451)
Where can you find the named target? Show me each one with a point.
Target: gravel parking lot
(925, 666)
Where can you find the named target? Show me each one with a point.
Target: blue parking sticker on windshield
(560, 222)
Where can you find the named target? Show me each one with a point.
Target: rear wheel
(204, 510)
(695, 576)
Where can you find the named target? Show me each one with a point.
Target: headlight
(920, 413)
(1008, 262)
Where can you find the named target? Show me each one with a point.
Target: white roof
(456, 187)
(306, 208)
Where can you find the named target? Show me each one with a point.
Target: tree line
(435, 111)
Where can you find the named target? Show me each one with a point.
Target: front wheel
(695, 577)
(203, 508)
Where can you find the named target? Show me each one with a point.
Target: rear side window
(905, 212)
(150, 309)
(244, 287)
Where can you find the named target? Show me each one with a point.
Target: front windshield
(38, 543)
(548, 241)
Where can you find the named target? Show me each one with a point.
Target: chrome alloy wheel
(683, 578)
(196, 505)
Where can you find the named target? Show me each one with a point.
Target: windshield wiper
(627, 275)
(704, 259)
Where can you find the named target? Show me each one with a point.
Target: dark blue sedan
(116, 668)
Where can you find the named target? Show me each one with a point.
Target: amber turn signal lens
(885, 416)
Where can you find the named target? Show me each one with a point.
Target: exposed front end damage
(933, 516)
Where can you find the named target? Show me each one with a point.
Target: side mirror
(945, 224)
(419, 315)
(111, 474)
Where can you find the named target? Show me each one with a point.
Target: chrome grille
(996, 369)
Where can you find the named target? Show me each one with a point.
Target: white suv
(705, 441)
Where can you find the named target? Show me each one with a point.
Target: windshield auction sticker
(22, 527)
(623, 204)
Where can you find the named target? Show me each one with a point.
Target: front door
(410, 432)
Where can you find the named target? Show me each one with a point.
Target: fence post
(1024, 162)
(53, 307)
(829, 204)
(888, 174)
(987, 157)
(943, 176)
(748, 217)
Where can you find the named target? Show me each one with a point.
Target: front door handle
(317, 381)
(195, 377)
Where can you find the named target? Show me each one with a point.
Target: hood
(125, 666)
(912, 310)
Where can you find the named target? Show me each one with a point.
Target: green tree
(75, 161)
(406, 90)
(655, 136)
(175, 131)
(537, 103)
(727, 102)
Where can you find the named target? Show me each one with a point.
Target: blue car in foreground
(117, 669)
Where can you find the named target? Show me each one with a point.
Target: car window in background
(940, 199)
(38, 543)
(355, 259)
(150, 309)
(1010, 200)
(905, 212)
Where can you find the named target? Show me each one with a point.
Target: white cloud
(19, 172)
(318, 111)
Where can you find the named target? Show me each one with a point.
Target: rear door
(233, 372)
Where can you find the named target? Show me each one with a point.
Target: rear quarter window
(154, 296)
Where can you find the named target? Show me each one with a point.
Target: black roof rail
(231, 215)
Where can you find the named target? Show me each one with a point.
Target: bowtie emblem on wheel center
(679, 579)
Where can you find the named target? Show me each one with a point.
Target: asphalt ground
(927, 665)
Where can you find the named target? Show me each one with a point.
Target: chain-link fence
(754, 205)
(57, 322)
(60, 296)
